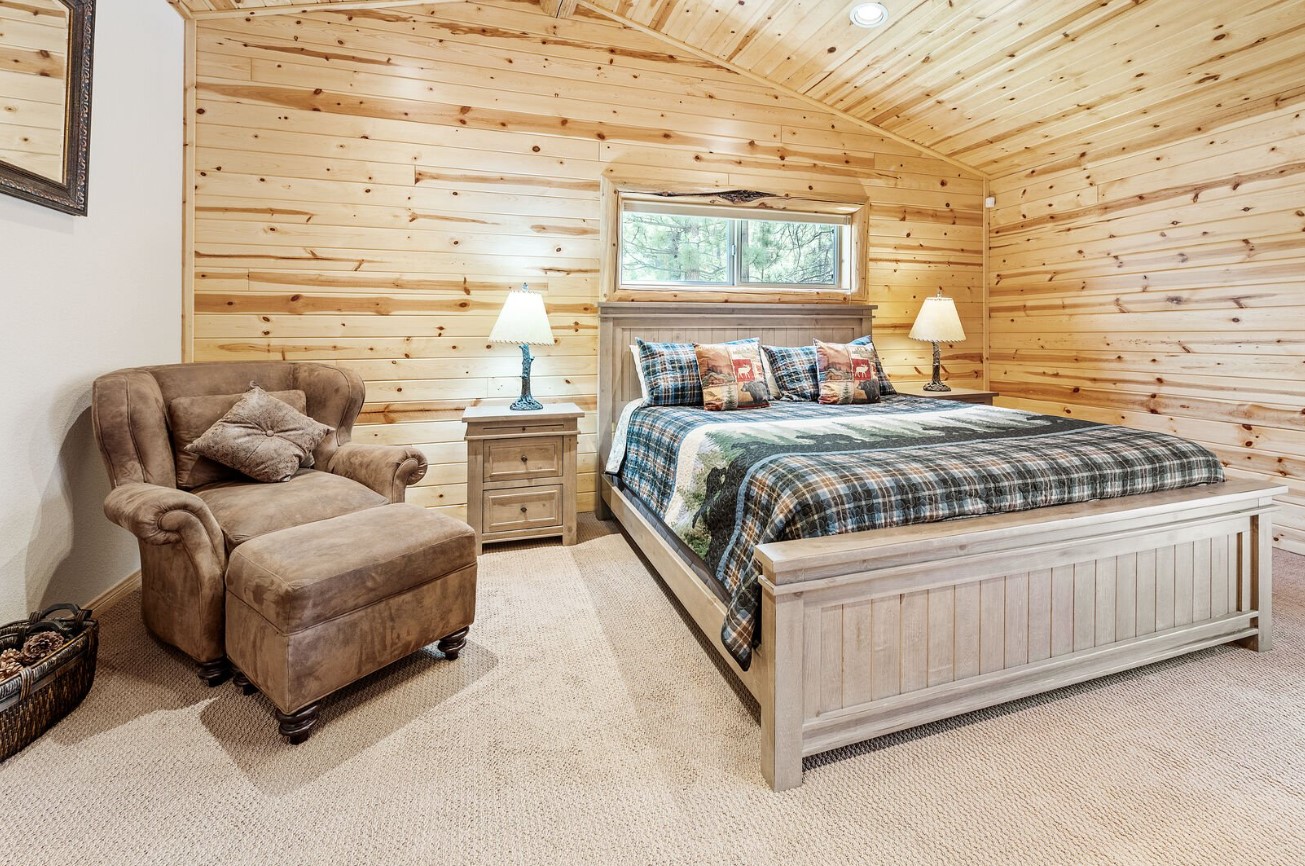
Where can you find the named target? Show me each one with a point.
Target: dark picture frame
(68, 195)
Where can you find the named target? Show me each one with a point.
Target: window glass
(789, 252)
(670, 248)
(672, 244)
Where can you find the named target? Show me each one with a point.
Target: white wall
(80, 296)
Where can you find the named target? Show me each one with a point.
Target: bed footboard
(869, 633)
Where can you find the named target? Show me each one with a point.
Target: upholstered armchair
(189, 514)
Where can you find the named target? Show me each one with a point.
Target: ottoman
(316, 607)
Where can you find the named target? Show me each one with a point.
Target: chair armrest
(387, 469)
(166, 515)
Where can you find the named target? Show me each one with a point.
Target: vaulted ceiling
(1000, 85)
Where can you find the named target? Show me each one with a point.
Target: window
(666, 244)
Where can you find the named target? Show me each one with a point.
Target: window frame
(739, 219)
(848, 212)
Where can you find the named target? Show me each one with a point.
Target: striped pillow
(795, 371)
(670, 371)
(885, 386)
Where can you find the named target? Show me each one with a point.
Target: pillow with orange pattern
(847, 373)
(732, 375)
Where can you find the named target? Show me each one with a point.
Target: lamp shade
(938, 321)
(523, 320)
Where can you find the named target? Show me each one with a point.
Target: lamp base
(936, 384)
(526, 402)
(530, 403)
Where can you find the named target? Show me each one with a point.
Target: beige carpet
(585, 724)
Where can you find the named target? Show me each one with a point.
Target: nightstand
(963, 395)
(521, 472)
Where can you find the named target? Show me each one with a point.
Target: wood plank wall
(369, 184)
(1165, 289)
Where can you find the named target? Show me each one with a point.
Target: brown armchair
(186, 535)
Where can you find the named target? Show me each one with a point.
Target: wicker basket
(47, 691)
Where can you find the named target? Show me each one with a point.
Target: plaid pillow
(795, 371)
(885, 386)
(847, 373)
(670, 372)
(732, 376)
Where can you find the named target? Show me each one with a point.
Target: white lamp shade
(523, 320)
(938, 322)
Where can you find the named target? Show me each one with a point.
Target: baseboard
(115, 593)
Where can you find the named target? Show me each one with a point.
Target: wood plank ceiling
(1001, 85)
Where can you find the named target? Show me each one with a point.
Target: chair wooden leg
(296, 726)
(242, 682)
(216, 672)
(452, 644)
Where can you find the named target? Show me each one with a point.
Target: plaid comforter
(725, 482)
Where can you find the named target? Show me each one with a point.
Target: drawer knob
(523, 509)
(525, 459)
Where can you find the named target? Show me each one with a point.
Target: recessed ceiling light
(869, 14)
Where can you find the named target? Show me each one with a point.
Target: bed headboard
(621, 323)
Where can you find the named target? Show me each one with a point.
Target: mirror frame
(70, 195)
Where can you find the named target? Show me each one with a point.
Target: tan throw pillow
(190, 418)
(847, 373)
(732, 375)
(261, 437)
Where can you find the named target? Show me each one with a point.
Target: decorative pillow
(847, 373)
(771, 385)
(796, 377)
(732, 376)
(669, 372)
(885, 386)
(190, 417)
(261, 437)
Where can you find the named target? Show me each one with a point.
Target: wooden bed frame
(868, 633)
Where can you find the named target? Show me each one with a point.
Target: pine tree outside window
(667, 244)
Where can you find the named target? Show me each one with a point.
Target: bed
(862, 633)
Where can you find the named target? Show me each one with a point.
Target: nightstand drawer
(519, 459)
(493, 431)
(515, 510)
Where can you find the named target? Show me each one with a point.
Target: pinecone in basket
(40, 645)
(11, 663)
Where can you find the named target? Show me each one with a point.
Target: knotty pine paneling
(1165, 290)
(992, 84)
(1001, 86)
(369, 184)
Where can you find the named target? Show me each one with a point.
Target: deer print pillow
(885, 385)
(847, 373)
(732, 375)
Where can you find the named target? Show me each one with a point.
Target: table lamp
(938, 322)
(523, 320)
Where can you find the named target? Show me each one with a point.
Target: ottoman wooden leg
(242, 682)
(452, 644)
(296, 726)
(215, 673)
